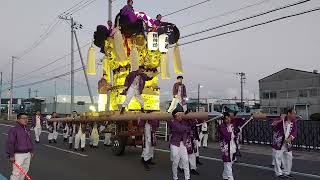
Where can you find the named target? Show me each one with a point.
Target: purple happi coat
(279, 134)
(225, 141)
(194, 135)
(129, 12)
(130, 78)
(19, 141)
(34, 121)
(154, 124)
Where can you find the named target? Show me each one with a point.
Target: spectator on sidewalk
(19, 147)
(37, 122)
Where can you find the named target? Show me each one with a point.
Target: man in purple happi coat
(37, 122)
(149, 140)
(128, 11)
(134, 86)
(179, 93)
(180, 143)
(228, 144)
(285, 131)
(193, 152)
(19, 147)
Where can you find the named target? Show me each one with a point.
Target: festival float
(135, 40)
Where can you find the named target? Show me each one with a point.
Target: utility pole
(198, 97)
(55, 96)
(36, 93)
(0, 91)
(242, 81)
(83, 66)
(111, 72)
(70, 18)
(110, 10)
(11, 89)
(29, 92)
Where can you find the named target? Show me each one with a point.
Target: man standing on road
(179, 142)
(285, 131)
(204, 135)
(53, 129)
(19, 147)
(149, 129)
(37, 122)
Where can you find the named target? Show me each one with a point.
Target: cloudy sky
(213, 63)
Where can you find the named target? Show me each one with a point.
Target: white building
(62, 104)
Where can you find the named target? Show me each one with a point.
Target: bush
(315, 117)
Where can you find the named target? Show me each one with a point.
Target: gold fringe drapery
(164, 66)
(106, 68)
(134, 56)
(91, 61)
(177, 63)
(119, 46)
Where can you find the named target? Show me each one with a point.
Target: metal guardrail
(162, 131)
(260, 132)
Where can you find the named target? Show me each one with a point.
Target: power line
(50, 63)
(81, 7)
(48, 79)
(169, 14)
(246, 18)
(252, 26)
(225, 13)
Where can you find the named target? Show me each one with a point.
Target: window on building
(210, 107)
(283, 94)
(265, 95)
(314, 92)
(292, 94)
(273, 95)
(303, 93)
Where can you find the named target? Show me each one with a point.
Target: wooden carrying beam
(115, 116)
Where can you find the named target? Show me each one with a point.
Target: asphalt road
(55, 161)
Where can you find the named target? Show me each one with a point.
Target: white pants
(102, 102)
(107, 138)
(71, 139)
(227, 171)
(133, 92)
(23, 160)
(179, 154)
(53, 135)
(174, 104)
(203, 139)
(94, 139)
(148, 151)
(284, 157)
(80, 138)
(66, 132)
(192, 162)
(196, 142)
(37, 133)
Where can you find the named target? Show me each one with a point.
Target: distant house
(291, 88)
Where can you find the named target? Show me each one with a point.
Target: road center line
(5, 134)
(67, 151)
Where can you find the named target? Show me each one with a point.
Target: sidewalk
(266, 150)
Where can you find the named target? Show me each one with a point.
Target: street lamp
(199, 86)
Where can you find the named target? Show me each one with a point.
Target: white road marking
(67, 151)
(6, 125)
(251, 165)
(5, 134)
